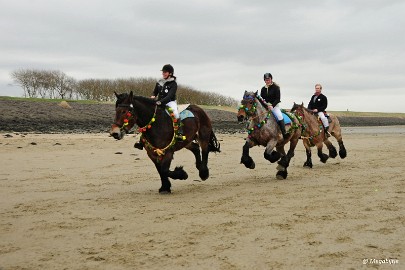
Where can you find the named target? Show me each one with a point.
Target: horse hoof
(307, 166)
(204, 174)
(281, 175)
(164, 192)
(342, 154)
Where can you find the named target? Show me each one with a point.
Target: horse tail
(214, 145)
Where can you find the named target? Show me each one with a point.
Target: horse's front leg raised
(246, 159)
(269, 153)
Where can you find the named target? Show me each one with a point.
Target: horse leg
(323, 157)
(195, 149)
(308, 162)
(342, 150)
(270, 154)
(337, 133)
(246, 159)
(285, 160)
(307, 145)
(331, 148)
(166, 173)
(165, 188)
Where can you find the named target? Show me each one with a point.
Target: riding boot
(282, 127)
(180, 135)
(139, 145)
(327, 132)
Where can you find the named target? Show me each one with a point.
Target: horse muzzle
(116, 132)
(241, 118)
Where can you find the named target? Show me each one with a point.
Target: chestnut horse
(159, 135)
(313, 134)
(264, 130)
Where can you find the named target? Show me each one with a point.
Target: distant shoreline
(48, 117)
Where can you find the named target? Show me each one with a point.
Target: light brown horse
(313, 134)
(264, 130)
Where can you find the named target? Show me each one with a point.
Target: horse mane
(145, 99)
(263, 102)
(122, 97)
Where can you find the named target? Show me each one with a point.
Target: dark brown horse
(159, 135)
(313, 134)
(264, 130)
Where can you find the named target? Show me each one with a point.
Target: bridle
(301, 119)
(252, 113)
(129, 116)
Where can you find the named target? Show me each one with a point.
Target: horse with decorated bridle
(159, 129)
(313, 134)
(262, 129)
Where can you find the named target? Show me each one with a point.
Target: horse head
(248, 106)
(298, 108)
(125, 117)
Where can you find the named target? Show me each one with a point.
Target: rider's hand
(158, 103)
(315, 110)
(152, 97)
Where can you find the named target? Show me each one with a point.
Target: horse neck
(310, 119)
(261, 112)
(143, 111)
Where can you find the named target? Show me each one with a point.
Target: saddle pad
(186, 114)
(287, 119)
(182, 107)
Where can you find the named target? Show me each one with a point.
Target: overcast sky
(354, 48)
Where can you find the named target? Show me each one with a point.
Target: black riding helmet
(267, 76)
(168, 68)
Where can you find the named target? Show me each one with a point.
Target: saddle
(183, 111)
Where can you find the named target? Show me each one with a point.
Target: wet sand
(76, 201)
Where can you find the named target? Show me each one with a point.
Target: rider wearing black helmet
(271, 94)
(165, 94)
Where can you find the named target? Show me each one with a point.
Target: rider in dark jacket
(318, 105)
(165, 94)
(271, 94)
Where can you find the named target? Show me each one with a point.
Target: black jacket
(167, 92)
(271, 95)
(320, 103)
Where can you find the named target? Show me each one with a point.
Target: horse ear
(302, 104)
(257, 92)
(116, 95)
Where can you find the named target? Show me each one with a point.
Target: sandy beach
(87, 201)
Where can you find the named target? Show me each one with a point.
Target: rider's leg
(277, 112)
(325, 123)
(173, 106)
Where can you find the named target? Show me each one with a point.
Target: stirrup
(138, 145)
